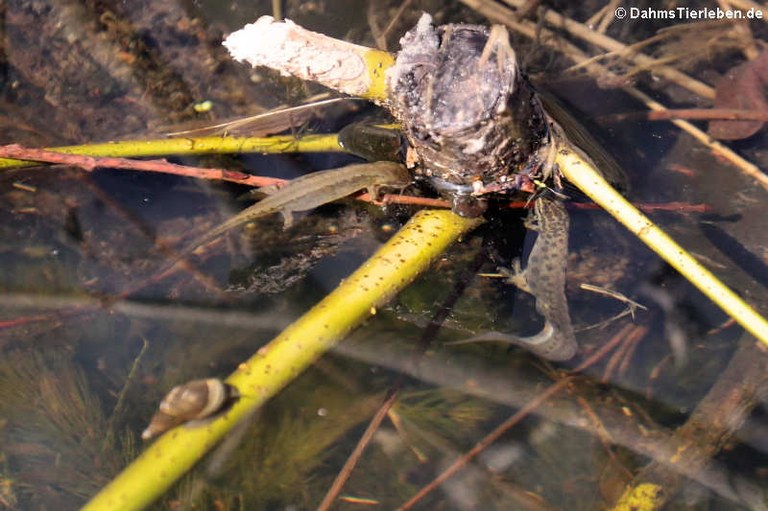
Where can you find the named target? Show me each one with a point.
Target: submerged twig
(118, 408)
(621, 297)
(354, 457)
(623, 354)
(749, 4)
(486, 442)
(693, 114)
(505, 426)
(712, 424)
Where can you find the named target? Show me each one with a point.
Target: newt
(310, 191)
(544, 278)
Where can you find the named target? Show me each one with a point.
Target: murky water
(91, 341)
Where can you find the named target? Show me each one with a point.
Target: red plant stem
(694, 114)
(649, 207)
(90, 163)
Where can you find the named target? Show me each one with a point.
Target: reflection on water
(91, 341)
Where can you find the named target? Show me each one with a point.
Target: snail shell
(193, 400)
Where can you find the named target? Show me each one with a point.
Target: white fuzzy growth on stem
(296, 51)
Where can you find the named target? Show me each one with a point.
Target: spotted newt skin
(544, 278)
(313, 190)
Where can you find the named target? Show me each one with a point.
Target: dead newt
(544, 278)
(310, 191)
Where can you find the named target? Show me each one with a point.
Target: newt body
(544, 278)
(311, 191)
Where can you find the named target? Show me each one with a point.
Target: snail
(194, 400)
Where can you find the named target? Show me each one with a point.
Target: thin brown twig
(511, 422)
(161, 246)
(654, 374)
(598, 427)
(722, 326)
(354, 457)
(395, 18)
(625, 351)
(601, 431)
(749, 4)
(615, 359)
(633, 343)
(486, 442)
(692, 114)
(717, 148)
(598, 355)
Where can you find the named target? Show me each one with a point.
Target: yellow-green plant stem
(389, 270)
(585, 176)
(199, 145)
(377, 62)
(645, 497)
